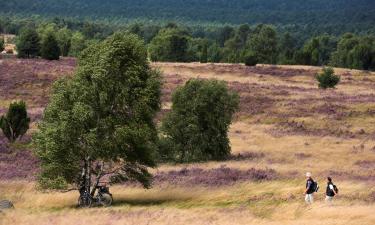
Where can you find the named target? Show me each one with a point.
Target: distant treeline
(334, 16)
(233, 44)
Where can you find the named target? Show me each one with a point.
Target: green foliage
(263, 42)
(312, 15)
(214, 53)
(50, 48)
(170, 45)
(77, 44)
(2, 44)
(233, 49)
(287, 49)
(317, 50)
(16, 122)
(357, 52)
(327, 78)
(196, 128)
(56, 183)
(224, 34)
(64, 36)
(250, 59)
(28, 43)
(101, 120)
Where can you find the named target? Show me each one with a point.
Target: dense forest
(313, 32)
(234, 11)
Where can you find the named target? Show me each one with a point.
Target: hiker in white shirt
(331, 190)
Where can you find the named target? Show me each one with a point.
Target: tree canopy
(196, 128)
(28, 43)
(101, 121)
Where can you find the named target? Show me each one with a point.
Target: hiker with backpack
(331, 190)
(311, 187)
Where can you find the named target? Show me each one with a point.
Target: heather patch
(16, 161)
(213, 177)
(365, 164)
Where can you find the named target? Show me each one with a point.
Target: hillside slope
(285, 127)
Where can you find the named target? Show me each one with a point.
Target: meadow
(285, 126)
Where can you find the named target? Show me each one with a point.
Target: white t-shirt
(331, 187)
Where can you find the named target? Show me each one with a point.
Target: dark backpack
(336, 189)
(314, 187)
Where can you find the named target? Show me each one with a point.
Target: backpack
(336, 189)
(315, 186)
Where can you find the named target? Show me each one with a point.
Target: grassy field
(285, 127)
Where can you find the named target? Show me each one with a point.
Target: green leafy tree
(243, 32)
(101, 122)
(199, 120)
(64, 38)
(287, 49)
(319, 49)
(214, 53)
(327, 78)
(28, 43)
(357, 52)
(16, 122)
(170, 45)
(363, 55)
(342, 56)
(50, 48)
(197, 50)
(225, 33)
(263, 42)
(233, 50)
(77, 44)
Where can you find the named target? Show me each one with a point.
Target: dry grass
(277, 202)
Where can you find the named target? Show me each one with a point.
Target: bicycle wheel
(84, 201)
(105, 199)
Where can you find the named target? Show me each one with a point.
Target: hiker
(310, 189)
(331, 190)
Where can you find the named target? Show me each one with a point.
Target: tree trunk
(88, 174)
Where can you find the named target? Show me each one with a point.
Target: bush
(250, 59)
(16, 122)
(50, 48)
(327, 78)
(28, 45)
(198, 123)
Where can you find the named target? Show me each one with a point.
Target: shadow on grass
(150, 201)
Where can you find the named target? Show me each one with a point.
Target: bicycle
(102, 198)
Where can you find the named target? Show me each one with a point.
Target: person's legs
(329, 200)
(309, 198)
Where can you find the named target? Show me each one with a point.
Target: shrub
(250, 59)
(50, 48)
(16, 122)
(28, 44)
(198, 123)
(327, 78)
